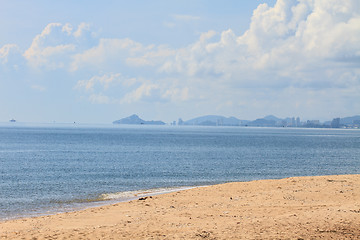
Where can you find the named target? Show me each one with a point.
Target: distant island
(136, 120)
(268, 121)
(214, 120)
(272, 121)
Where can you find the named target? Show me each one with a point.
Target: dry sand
(325, 207)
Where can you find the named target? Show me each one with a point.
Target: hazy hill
(262, 122)
(135, 119)
(272, 118)
(215, 120)
(349, 120)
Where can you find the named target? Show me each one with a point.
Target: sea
(52, 168)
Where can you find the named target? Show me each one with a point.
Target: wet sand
(324, 207)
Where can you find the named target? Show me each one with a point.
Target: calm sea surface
(52, 168)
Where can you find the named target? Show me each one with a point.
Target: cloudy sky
(97, 61)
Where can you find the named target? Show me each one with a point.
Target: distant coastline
(267, 121)
(136, 120)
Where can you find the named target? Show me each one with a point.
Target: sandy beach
(323, 207)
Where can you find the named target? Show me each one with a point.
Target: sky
(99, 61)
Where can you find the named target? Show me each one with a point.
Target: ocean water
(52, 168)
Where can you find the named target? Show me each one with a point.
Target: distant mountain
(349, 120)
(215, 120)
(262, 122)
(135, 119)
(272, 118)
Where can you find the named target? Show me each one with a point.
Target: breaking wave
(129, 195)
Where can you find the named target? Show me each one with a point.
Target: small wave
(120, 196)
(140, 193)
(79, 200)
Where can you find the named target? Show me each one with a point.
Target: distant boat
(12, 120)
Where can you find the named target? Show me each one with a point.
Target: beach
(326, 207)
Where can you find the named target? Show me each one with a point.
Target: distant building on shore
(314, 122)
(293, 124)
(180, 122)
(356, 123)
(335, 123)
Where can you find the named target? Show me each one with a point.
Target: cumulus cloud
(55, 45)
(104, 81)
(294, 36)
(146, 91)
(108, 51)
(153, 56)
(176, 94)
(49, 47)
(320, 30)
(291, 37)
(10, 56)
(99, 99)
(304, 46)
(284, 44)
(5, 52)
(296, 46)
(115, 88)
(83, 29)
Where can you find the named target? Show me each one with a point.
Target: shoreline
(104, 199)
(296, 207)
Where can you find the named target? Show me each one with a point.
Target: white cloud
(55, 45)
(50, 47)
(186, 18)
(107, 51)
(10, 57)
(119, 89)
(169, 24)
(67, 28)
(150, 91)
(177, 94)
(6, 51)
(38, 88)
(291, 53)
(104, 81)
(99, 99)
(272, 61)
(180, 19)
(190, 59)
(144, 92)
(283, 43)
(151, 56)
(84, 28)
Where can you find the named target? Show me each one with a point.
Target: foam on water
(129, 195)
(60, 206)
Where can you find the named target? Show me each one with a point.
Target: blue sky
(98, 61)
